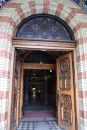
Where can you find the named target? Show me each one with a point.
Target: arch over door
(44, 26)
(65, 92)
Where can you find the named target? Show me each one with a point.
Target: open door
(15, 96)
(65, 92)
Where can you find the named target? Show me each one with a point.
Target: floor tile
(38, 125)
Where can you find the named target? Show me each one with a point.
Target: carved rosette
(65, 74)
(66, 109)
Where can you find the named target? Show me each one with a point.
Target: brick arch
(59, 10)
(11, 15)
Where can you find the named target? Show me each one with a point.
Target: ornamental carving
(43, 43)
(65, 74)
(66, 109)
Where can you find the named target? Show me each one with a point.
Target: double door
(64, 92)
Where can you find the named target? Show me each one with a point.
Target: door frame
(45, 45)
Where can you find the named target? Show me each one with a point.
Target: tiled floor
(37, 125)
(38, 122)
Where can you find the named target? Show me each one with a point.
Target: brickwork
(12, 14)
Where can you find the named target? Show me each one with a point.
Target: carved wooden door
(16, 91)
(65, 92)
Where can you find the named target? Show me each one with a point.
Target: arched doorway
(10, 16)
(47, 33)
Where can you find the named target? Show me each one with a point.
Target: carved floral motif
(66, 109)
(65, 74)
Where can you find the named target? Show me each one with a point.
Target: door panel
(65, 92)
(15, 93)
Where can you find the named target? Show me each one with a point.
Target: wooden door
(15, 102)
(65, 92)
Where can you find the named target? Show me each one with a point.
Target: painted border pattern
(12, 14)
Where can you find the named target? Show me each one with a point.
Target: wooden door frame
(41, 66)
(47, 46)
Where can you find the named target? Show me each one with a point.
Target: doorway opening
(39, 93)
(39, 83)
(46, 81)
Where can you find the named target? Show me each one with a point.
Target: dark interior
(39, 88)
